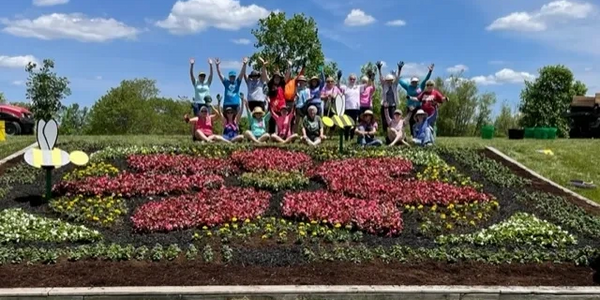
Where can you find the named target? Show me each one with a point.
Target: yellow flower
(324, 221)
(264, 237)
(226, 225)
(448, 226)
(443, 216)
(204, 228)
(258, 218)
(234, 219)
(209, 233)
(472, 223)
(247, 221)
(302, 233)
(95, 218)
(420, 206)
(338, 225)
(451, 206)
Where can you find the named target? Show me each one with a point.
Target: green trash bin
(539, 133)
(552, 133)
(487, 132)
(529, 132)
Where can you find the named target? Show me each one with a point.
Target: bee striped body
(39, 158)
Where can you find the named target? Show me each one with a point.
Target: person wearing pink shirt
(395, 132)
(328, 94)
(366, 92)
(203, 126)
(430, 98)
(284, 122)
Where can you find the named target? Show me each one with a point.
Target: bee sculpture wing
(41, 140)
(51, 133)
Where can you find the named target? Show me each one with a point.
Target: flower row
(208, 207)
(369, 215)
(265, 159)
(180, 164)
(99, 209)
(138, 184)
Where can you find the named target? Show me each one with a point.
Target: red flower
(209, 207)
(181, 164)
(264, 159)
(370, 215)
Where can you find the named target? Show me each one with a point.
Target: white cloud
(414, 69)
(396, 23)
(588, 69)
(231, 64)
(504, 76)
(49, 2)
(556, 12)
(192, 16)
(16, 61)
(18, 82)
(497, 62)
(241, 41)
(70, 26)
(357, 17)
(457, 69)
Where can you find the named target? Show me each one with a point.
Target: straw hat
(398, 112)
(258, 111)
(368, 112)
(420, 112)
(301, 78)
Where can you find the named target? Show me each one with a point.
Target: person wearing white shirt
(351, 93)
(389, 94)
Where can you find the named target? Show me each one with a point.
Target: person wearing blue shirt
(423, 132)
(232, 85)
(413, 89)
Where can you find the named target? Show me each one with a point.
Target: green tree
(484, 111)
(45, 89)
(279, 39)
(22, 104)
(505, 120)
(2, 98)
(73, 119)
(544, 100)
(456, 116)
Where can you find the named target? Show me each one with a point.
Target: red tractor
(17, 120)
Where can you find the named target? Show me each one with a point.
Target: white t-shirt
(256, 90)
(352, 95)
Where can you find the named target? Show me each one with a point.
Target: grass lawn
(13, 144)
(572, 159)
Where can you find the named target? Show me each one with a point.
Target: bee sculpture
(45, 155)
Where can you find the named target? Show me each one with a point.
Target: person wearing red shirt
(430, 98)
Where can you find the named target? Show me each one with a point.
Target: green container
(552, 133)
(539, 133)
(487, 132)
(529, 132)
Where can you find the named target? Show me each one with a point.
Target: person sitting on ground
(396, 125)
(284, 121)
(230, 121)
(258, 125)
(367, 129)
(203, 127)
(302, 97)
(312, 127)
(423, 131)
(201, 87)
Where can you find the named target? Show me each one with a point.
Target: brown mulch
(186, 273)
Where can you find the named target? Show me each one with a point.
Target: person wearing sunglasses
(203, 126)
(352, 93)
(201, 86)
(389, 94)
(413, 89)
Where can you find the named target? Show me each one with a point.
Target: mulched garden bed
(260, 262)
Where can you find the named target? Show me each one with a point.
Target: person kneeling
(284, 133)
(312, 127)
(203, 128)
(367, 129)
(258, 120)
(423, 131)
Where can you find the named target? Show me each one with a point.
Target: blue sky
(98, 43)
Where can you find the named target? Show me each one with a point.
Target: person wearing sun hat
(256, 83)
(413, 88)
(258, 125)
(302, 96)
(423, 132)
(201, 86)
(367, 129)
(232, 85)
(389, 93)
(316, 85)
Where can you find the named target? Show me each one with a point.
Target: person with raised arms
(302, 98)
(284, 122)
(258, 125)
(316, 85)
(389, 93)
(396, 127)
(232, 85)
(201, 86)
(351, 92)
(230, 120)
(366, 92)
(413, 89)
(256, 83)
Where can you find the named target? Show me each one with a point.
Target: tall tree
(456, 116)
(73, 119)
(2, 98)
(46, 90)
(279, 39)
(22, 104)
(484, 111)
(544, 100)
(505, 120)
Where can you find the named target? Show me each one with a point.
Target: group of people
(283, 108)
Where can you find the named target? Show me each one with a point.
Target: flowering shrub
(264, 159)
(339, 173)
(274, 180)
(17, 226)
(132, 184)
(180, 164)
(92, 170)
(447, 174)
(369, 215)
(209, 207)
(104, 210)
(521, 228)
